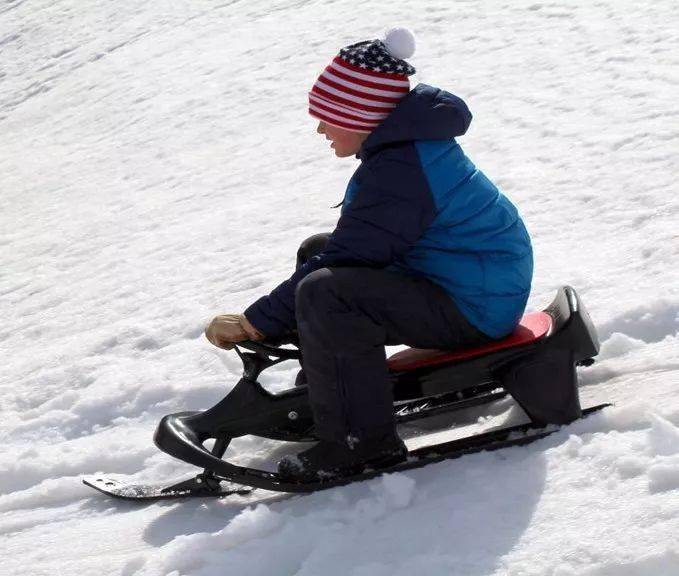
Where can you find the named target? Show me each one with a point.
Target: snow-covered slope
(158, 166)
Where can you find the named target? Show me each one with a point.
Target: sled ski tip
(187, 489)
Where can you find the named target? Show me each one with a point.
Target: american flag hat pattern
(363, 83)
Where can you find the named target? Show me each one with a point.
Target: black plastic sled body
(536, 365)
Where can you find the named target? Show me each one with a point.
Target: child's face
(344, 142)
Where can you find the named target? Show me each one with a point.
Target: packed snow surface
(158, 167)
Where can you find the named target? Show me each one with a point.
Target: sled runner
(536, 365)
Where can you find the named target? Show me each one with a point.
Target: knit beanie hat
(364, 82)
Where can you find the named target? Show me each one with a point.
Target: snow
(158, 167)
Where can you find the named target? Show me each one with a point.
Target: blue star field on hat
(373, 55)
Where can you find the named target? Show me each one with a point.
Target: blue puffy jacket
(417, 204)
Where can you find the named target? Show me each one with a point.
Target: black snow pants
(345, 316)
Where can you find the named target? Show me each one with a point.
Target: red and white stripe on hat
(354, 98)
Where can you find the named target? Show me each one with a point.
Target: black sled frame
(539, 374)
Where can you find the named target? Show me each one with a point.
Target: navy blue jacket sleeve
(391, 209)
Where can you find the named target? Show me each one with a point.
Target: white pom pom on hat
(400, 42)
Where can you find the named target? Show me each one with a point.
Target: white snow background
(158, 167)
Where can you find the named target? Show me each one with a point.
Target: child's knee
(311, 246)
(314, 291)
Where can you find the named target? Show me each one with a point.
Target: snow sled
(536, 365)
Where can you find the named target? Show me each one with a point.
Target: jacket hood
(425, 113)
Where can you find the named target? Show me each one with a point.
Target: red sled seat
(536, 364)
(532, 327)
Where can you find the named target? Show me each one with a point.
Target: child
(427, 252)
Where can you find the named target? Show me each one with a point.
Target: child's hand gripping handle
(227, 329)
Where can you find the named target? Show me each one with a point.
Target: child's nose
(319, 129)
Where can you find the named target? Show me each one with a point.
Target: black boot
(328, 459)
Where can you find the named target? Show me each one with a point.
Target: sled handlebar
(269, 350)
